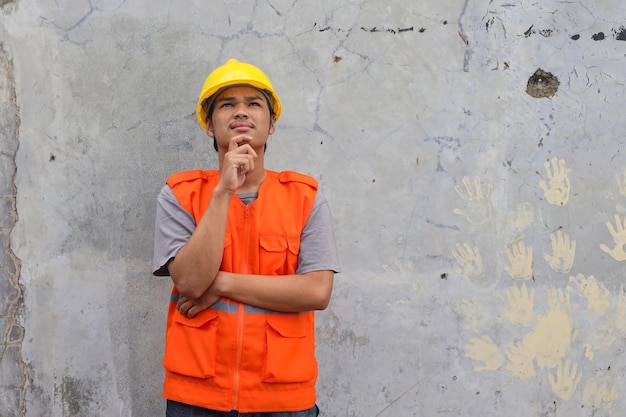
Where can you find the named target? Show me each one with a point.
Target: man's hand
(190, 307)
(238, 163)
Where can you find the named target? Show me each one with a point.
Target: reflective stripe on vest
(225, 306)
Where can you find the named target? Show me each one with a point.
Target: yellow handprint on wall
(521, 261)
(403, 275)
(474, 314)
(595, 292)
(520, 361)
(552, 335)
(470, 261)
(563, 250)
(557, 190)
(599, 392)
(483, 349)
(518, 305)
(566, 380)
(619, 238)
(478, 204)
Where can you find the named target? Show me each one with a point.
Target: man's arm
(288, 293)
(196, 264)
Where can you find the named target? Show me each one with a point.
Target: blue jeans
(176, 409)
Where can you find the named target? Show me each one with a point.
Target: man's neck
(253, 180)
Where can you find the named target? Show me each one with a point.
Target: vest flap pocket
(190, 345)
(198, 320)
(288, 325)
(290, 349)
(273, 243)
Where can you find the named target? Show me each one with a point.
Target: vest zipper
(241, 313)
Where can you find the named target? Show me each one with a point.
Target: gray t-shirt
(174, 226)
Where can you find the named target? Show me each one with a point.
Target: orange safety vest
(240, 357)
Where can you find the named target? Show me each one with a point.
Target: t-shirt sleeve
(173, 228)
(318, 249)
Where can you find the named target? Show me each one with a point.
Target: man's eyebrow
(247, 98)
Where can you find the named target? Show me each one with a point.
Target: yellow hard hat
(232, 73)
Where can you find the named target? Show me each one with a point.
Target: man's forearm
(291, 293)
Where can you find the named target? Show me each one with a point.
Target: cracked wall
(471, 153)
(12, 366)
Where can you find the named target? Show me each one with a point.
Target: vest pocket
(190, 348)
(279, 254)
(290, 348)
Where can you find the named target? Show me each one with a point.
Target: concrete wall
(472, 153)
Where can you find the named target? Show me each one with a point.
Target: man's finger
(233, 145)
(238, 141)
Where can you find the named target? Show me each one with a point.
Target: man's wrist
(220, 283)
(221, 192)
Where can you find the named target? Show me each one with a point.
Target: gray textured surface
(482, 275)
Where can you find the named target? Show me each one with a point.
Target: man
(252, 255)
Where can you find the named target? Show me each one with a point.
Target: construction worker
(252, 255)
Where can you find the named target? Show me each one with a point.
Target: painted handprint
(520, 361)
(470, 261)
(403, 275)
(552, 335)
(483, 349)
(521, 259)
(600, 341)
(474, 314)
(599, 393)
(595, 292)
(478, 204)
(557, 190)
(566, 380)
(563, 250)
(518, 305)
(619, 238)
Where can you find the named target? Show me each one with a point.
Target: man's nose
(241, 111)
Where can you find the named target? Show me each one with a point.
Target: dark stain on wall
(390, 30)
(542, 84)
(598, 36)
(7, 2)
(79, 397)
(376, 29)
(620, 34)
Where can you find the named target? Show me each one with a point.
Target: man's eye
(254, 103)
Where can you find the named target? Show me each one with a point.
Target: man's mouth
(241, 126)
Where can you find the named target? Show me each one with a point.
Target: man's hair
(208, 105)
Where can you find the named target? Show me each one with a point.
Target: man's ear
(209, 129)
(271, 132)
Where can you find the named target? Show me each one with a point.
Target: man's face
(243, 112)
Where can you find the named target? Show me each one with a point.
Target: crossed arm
(291, 293)
(196, 275)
